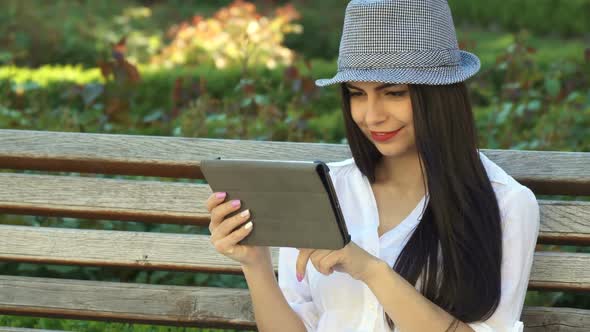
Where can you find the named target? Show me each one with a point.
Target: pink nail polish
(235, 203)
(299, 277)
(220, 195)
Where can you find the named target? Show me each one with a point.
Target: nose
(375, 112)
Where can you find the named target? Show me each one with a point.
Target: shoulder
(496, 174)
(341, 168)
(517, 203)
(341, 163)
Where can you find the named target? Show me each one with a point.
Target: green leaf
(534, 105)
(246, 102)
(503, 115)
(261, 99)
(5, 56)
(201, 278)
(91, 92)
(520, 109)
(157, 115)
(553, 86)
(573, 96)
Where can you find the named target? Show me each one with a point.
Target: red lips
(382, 137)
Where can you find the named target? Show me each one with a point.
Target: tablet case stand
(292, 203)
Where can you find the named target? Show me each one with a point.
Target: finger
(302, 259)
(228, 225)
(326, 263)
(318, 259)
(214, 200)
(227, 244)
(219, 212)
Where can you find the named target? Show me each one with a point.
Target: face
(383, 112)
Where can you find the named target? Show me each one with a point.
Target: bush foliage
(518, 103)
(34, 33)
(236, 35)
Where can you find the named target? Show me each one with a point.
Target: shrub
(236, 35)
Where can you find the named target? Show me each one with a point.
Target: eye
(397, 93)
(354, 94)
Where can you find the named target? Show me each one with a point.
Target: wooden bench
(182, 202)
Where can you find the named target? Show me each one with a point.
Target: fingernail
(245, 213)
(235, 203)
(299, 277)
(248, 225)
(220, 195)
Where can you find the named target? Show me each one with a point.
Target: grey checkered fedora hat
(401, 41)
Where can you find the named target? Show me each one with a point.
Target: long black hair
(456, 249)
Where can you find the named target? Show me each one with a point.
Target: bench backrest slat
(189, 252)
(183, 306)
(546, 172)
(562, 222)
(99, 198)
(131, 302)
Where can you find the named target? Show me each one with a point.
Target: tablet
(292, 203)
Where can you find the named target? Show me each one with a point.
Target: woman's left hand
(351, 259)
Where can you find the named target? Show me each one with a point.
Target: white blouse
(339, 303)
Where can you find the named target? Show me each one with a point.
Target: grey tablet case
(292, 203)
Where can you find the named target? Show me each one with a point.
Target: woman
(442, 237)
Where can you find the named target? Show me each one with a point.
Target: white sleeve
(297, 293)
(520, 228)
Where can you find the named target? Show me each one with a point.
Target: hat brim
(468, 66)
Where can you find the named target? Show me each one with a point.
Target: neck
(401, 174)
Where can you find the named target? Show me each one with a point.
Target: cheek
(406, 113)
(409, 111)
(357, 117)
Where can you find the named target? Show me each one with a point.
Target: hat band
(433, 58)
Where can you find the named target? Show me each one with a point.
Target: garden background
(245, 70)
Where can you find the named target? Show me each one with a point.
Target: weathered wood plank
(541, 170)
(546, 172)
(184, 306)
(142, 250)
(177, 157)
(560, 271)
(547, 319)
(192, 252)
(99, 198)
(562, 222)
(129, 302)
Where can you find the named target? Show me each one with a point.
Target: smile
(384, 136)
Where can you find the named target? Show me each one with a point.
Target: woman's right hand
(223, 236)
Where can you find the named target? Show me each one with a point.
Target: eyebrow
(380, 87)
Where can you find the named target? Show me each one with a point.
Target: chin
(392, 150)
